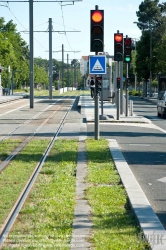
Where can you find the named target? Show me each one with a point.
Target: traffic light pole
(127, 92)
(96, 111)
(118, 97)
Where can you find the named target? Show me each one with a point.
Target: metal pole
(74, 75)
(67, 70)
(96, 97)
(121, 88)
(127, 90)
(12, 80)
(9, 79)
(135, 86)
(150, 82)
(118, 93)
(118, 104)
(59, 80)
(31, 54)
(50, 58)
(102, 112)
(62, 67)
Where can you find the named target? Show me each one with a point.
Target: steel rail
(24, 143)
(20, 201)
(29, 120)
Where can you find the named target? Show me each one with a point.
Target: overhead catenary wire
(25, 30)
(64, 28)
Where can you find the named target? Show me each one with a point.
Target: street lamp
(150, 77)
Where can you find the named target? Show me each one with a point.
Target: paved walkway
(9, 98)
(152, 228)
(109, 112)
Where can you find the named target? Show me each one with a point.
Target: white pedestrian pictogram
(97, 66)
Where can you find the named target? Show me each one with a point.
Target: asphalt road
(144, 148)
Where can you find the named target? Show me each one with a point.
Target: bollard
(131, 108)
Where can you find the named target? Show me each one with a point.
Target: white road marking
(137, 144)
(162, 179)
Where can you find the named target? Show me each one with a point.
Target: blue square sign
(97, 65)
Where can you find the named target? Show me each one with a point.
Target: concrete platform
(10, 98)
(86, 103)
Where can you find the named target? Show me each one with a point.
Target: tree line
(14, 53)
(149, 52)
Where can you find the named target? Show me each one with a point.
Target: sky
(69, 17)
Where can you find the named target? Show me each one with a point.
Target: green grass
(115, 226)
(45, 221)
(42, 92)
(14, 177)
(7, 146)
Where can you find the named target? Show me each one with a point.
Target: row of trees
(150, 54)
(14, 52)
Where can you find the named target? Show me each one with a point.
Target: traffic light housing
(98, 83)
(118, 46)
(127, 49)
(127, 81)
(97, 31)
(118, 82)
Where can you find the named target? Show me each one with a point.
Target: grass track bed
(45, 221)
(14, 177)
(7, 146)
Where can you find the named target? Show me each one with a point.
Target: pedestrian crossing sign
(97, 64)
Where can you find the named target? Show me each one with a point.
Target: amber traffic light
(97, 30)
(118, 47)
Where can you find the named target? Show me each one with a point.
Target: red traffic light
(118, 38)
(127, 41)
(98, 78)
(97, 16)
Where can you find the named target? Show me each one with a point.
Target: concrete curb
(151, 226)
(81, 222)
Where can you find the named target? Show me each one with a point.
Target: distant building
(83, 64)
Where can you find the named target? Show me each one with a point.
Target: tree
(152, 22)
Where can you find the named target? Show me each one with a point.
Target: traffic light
(98, 83)
(118, 47)
(127, 49)
(127, 81)
(97, 31)
(118, 82)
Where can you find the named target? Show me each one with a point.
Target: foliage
(15, 53)
(134, 92)
(152, 23)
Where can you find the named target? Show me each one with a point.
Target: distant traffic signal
(97, 31)
(127, 49)
(118, 47)
(118, 82)
(98, 83)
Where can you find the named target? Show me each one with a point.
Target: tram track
(6, 227)
(28, 120)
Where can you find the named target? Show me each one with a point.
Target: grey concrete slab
(81, 222)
